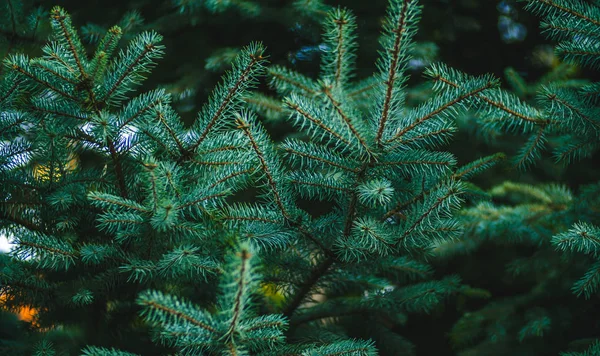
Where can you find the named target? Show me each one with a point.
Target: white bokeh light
(5, 244)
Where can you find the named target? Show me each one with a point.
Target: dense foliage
(139, 232)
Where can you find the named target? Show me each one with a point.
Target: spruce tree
(128, 224)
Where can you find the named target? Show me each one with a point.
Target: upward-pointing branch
(392, 70)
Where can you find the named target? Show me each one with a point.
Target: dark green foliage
(559, 225)
(156, 206)
(137, 232)
(574, 112)
(20, 22)
(523, 216)
(235, 329)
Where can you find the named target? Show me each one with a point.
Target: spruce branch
(287, 82)
(582, 237)
(352, 124)
(445, 106)
(250, 132)
(317, 126)
(338, 61)
(130, 66)
(61, 23)
(399, 28)
(307, 286)
(161, 308)
(553, 8)
(228, 95)
(443, 76)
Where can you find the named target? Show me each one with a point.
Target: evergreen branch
(557, 29)
(582, 237)
(452, 191)
(251, 218)
(339, 62)
(530, 151)
(10, 91)
(572, 151)
(293, 79)
(150, 167)
(140, 105)
(208, 197)
(122, 221)
(184, 260)
(30, 225)
(102, 351)
(307, 286)
(223, 149)
(245, 127)
(118, 201)
(555, 98)
(339, 37)
(144, 48)
(153, 301)
(417, 162)
(53, 51)
(55, 73)
(390, 80)
(589, 283)
(441, 108)
(592, 350)
(260, 323)
(172, 133)
(105, 49)
(412, 270)
(68, 34)
(361, 90)
(427, 134)
(476, 166)
(328, 162)
(319, 123)
(318, 185)
(157, 140)
(585, 52)
(232, 349)
(349, 221)
(324, 266)
(367, 229)
(494, 103)
(232, 175)
(244, 255)
(347, 120)
(16, 283)
(220, 163)
(35, 78)
(345, 348)
(170, 181)
(270, 108)
(562, 7)
(256, 58)
(48, 248)
(314, 240)
(58, 113)
(14, 124)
